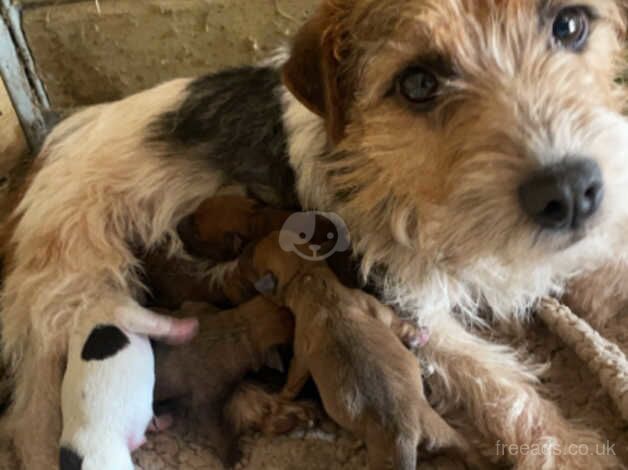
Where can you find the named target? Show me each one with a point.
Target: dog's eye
(418, 85)
(571, 27)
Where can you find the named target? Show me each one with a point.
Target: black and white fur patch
(69, 460)
(104, 341)
(233, 120)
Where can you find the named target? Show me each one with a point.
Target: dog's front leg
(597, 296)
(409, 334)
(499, 395)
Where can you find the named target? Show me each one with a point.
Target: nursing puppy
(223, 225)
(203, 374)
(216, 233)
(350, 344)
(475, 150)
(105, 419)
(174, 280)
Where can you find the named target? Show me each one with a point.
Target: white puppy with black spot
(107, 397)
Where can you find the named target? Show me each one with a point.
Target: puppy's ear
(312, 73)
(267, 284)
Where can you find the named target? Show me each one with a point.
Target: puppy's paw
(286, 417)
(161, 423)
(412, 336)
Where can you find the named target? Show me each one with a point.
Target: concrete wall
(88, 52)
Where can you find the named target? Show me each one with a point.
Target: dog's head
(466, 129)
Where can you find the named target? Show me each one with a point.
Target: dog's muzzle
(563, 196)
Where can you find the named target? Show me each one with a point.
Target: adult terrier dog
(476, 150)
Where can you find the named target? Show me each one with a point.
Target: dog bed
(587, 376)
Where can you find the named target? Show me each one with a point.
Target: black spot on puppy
(104, 341)
(69, 460)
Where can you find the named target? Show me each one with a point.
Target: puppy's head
(464, 130)
(220, 227)
(269, 267)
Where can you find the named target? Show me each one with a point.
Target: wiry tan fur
(431, 197)
(434, 198)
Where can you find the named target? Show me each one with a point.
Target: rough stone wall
(93, 51)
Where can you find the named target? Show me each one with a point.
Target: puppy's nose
(315, 248)
(563, 196)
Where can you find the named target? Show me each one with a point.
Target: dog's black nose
(564, 195)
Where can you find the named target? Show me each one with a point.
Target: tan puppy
(369, 382)
(202, 374)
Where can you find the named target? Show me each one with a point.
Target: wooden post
(13, 144)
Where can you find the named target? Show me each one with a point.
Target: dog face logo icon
(314, 236)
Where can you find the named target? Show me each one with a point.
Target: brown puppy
(223, 225)
(220, 229)
(202, 375)
(216, 232)
(173, 280)
(368, 381)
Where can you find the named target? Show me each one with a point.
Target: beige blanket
(569, 381)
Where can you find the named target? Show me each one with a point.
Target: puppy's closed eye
(234, 242)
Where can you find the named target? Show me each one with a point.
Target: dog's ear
(312, 73)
